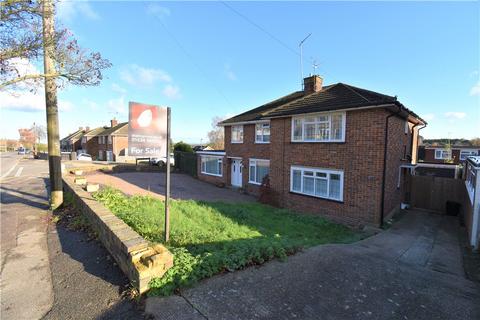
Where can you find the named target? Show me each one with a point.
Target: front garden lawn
(208, 238)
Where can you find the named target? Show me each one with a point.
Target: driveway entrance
(411, 271)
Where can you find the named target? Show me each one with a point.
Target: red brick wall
(120, 146)
(246, 150)
(398, 142)
(360, 157)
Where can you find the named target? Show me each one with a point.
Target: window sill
(259, 142)
(316, 197)
(211, 174)
(255, 183)
(236, 142)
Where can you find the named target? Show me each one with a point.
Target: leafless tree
(216, 136)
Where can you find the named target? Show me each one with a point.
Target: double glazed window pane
(297, 180)
(334, 186)
(337, 129)
(297, 129)
(262, 171)
(321, 187)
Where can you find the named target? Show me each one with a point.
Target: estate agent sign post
(149, 136)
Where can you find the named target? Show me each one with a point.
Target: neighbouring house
(442, 154)
(201, 148)
(73, 142)
(336, 150)
(108, 142)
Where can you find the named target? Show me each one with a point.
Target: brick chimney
(312, 84)
(113, 123)
(87, 128)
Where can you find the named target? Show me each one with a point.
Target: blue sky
(205, 60)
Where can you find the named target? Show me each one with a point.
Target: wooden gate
(432, 193)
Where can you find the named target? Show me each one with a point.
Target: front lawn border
(140, 261)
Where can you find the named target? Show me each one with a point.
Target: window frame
(231, 133)
(109, 139)
(328, 172)
(471, 152)
(220, 163)
(255, 161)
(263, 134)
(329, 115)
(442, 157)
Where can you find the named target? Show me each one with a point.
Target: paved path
(412, 271)
(48, 271)
(26, 280)
(182, 186)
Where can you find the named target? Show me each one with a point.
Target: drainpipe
(385, 143)
(418, 134)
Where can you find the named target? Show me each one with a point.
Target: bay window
(322, 183)
(211, 165)
(262, 132)
(327, 127)
(258, 169)
(237, 134)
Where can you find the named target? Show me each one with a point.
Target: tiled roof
(77, 134)
(119, 130)
(338, 96)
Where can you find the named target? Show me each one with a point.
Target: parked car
(84, 157)
(21, 151)
(161, 161)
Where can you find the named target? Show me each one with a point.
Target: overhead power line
(283, 44)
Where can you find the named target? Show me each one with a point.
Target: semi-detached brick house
(72, 142)
(336, 150)
(108, 142)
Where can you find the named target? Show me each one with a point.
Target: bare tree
(216, 136)
(27, 34)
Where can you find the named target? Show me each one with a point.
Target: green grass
(208, 238)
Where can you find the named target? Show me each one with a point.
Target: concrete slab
(383, 277)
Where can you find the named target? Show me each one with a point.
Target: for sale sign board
(147, 130)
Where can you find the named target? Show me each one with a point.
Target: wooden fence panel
(432, 193)
(186, 162)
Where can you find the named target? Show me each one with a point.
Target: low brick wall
(139, 260)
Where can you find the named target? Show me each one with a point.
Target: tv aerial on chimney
(301, 57)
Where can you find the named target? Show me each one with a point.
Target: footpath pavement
(412, 271)
(48, 271)
(26, 283)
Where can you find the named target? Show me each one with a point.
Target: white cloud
(229, 73)
(475, 90)
(27, 101)
(158, 11)
(69, 10)
(172, 92)
(428, 116)
(141, 76)
(118, 105)
(116, 88)
(90, 104)
(455, 115)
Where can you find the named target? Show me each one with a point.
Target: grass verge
(208, 238)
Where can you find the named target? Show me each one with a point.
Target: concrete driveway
(182, 186)
(411, 271)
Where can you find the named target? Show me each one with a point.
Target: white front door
(236, 172)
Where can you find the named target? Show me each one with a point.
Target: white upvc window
(316, 182)
(321, 127)
(262, 132)
(467, 153)
(258, 169)
(109, 139)
(443, 154)
(237, 134)
(211, 165)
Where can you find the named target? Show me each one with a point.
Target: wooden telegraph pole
(54, 163)
(167, 182)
